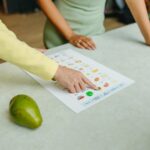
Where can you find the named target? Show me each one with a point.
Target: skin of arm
(60, 23)
(56, 18)
(139, 11)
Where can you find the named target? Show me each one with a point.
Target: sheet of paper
(106, 79)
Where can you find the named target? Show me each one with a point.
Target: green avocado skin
(25, 112)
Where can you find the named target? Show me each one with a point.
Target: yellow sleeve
(22, 55)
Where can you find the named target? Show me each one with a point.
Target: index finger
(89, 83)
(91, 41)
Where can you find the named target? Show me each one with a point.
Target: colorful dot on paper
(106, 84)
(99, 88)
(97, 79)
(89, 93)
(81, 69)
(95, 70)
(81, 97)
(78, 61)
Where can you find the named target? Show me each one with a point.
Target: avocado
(25, 112)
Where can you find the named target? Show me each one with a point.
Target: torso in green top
(84, 16)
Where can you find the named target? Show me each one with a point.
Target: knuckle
(83, 86)
(78, 73)
(71, 91)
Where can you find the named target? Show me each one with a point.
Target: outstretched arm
(19, 53)
(61, 24)
(139, 11)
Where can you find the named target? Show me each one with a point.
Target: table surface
(120, 122)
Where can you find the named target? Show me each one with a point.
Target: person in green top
(75, 21)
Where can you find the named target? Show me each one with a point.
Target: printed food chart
(106, 79)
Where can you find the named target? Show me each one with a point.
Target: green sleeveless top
(84, 16)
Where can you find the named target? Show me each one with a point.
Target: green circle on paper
(89, 93)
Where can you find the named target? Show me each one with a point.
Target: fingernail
(96, 88)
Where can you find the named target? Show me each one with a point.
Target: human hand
(83, 42)
(72, 80)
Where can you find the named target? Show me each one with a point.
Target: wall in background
(21, 6)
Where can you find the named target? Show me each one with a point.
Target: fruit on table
(25, 112)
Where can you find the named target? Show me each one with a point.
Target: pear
(25, 112)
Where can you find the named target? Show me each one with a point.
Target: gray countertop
(120, 122)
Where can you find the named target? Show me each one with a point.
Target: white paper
(108, 80)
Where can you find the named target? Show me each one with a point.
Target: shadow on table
(1, 61)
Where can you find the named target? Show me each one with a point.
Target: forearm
(139, 11)
(56, 18)
(22, 55)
